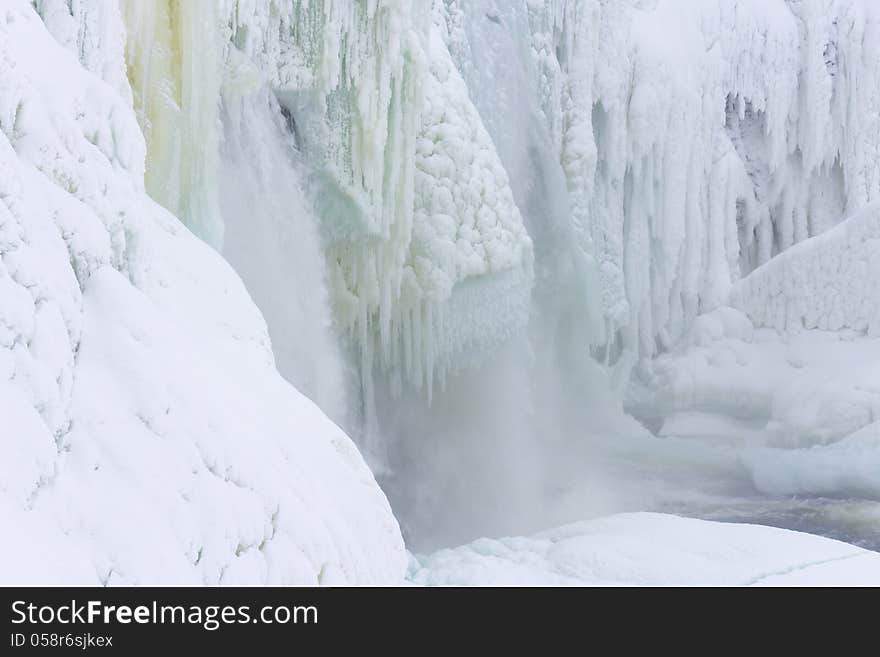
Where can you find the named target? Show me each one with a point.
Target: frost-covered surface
(401, 228)
(830, 282)
(92, 31)
(466, 224)
(146, 434)
(649, 549)
(686, 161)
(692, 159)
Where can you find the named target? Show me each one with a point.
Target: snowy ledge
(651, 549)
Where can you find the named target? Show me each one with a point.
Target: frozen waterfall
(478, 229)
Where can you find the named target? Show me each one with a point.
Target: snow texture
(146, 435)
(648, 549)
(790, 375)
(829, 282)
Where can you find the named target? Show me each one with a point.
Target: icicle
(174, 52)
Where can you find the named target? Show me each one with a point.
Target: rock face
(146, 436)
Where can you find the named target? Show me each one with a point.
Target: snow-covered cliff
(146, 435)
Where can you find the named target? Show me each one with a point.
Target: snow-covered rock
(146, 435)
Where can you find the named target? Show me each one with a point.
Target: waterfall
(271, 238)
(467, 221)
(414, 261)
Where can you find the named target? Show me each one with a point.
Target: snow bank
(648, 549)
(808, 374)
(147, 437)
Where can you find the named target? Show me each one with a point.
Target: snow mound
(649, 549)
(146, 435)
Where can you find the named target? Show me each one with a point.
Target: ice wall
(687, 162)
(699, 139)
(173, 53)
(828, 282)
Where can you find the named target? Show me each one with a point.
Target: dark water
(851, 520)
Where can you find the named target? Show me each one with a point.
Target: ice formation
(827, 282)
(464, 222)
(147, 436)
(686, 162)
(691, 160)
(788, 371)
(670, 167)
(351, 79)
(172, 55)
